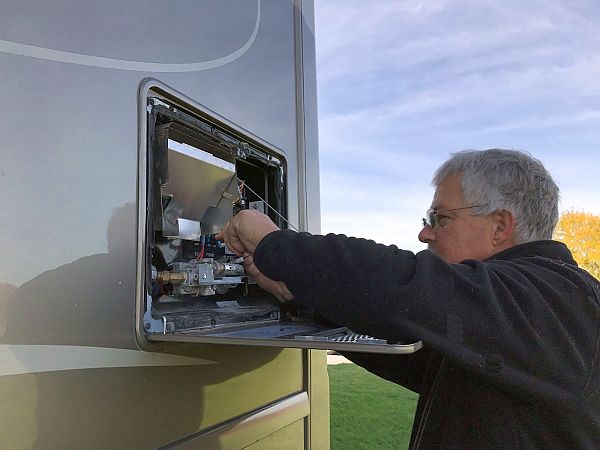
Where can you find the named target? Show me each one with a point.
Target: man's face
(457, 235)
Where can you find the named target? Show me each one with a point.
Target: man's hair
(511, 180)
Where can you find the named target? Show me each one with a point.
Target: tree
(580, 231)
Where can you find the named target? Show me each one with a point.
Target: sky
(403, 84)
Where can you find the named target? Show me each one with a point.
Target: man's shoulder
(537, 250)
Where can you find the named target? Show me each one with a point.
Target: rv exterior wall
(73, 374)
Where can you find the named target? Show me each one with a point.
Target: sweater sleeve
(529, 325)
(407, 370)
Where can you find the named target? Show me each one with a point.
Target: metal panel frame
(152, 87)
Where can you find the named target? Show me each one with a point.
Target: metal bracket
(206, 277)
(152, 325)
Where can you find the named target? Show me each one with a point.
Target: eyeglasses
(431, 218)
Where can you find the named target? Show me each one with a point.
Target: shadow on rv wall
(6, 290)
(146, 401)
(89, 301)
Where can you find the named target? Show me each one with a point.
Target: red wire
(201, 254)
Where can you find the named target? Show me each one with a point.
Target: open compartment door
(196, 170)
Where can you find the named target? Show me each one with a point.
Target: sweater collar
(545, 249)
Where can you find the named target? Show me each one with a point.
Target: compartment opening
(200, 175)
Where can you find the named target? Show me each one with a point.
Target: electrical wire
(245, 186)
(201, 254)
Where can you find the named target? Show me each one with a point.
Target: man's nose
(427, 235)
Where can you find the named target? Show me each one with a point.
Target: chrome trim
(249, 428)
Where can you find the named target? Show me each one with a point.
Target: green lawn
(367, 412)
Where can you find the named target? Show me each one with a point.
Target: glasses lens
(431, 218)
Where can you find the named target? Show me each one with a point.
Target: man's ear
(504, 228)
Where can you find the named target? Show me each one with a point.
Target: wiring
(243, 185)
(201, 254)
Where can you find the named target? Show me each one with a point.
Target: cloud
(402, 84)
(385, 228)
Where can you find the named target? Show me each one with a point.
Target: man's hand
(242, 235)
(245, 230)
(277, 288)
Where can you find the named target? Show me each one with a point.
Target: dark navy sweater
(511, 343)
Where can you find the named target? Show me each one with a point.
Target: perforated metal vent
(358, 338)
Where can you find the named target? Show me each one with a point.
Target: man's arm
(525, 326)
(529, 325)
(406, 370)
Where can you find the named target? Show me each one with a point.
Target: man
(509, 322)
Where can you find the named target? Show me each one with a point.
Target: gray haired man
(511, 325)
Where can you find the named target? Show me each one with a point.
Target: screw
(147, 325)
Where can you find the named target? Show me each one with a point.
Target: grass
(367, 412)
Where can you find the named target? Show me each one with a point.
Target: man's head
(488, 201)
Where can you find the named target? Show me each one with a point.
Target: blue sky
(402, 84)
